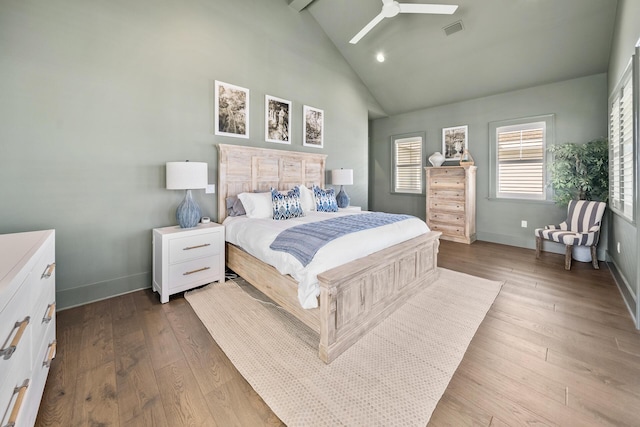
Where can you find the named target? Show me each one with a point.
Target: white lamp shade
(342, 177)
(186, 175)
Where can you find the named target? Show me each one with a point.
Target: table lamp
(342, 177)
(187, 176)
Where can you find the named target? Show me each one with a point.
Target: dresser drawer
(445, 172)
(450, 183)
(446, 205)
(446, 218)
(446, 193)
(10, 390)
(16, 325)
(197, 270)
(192, 247)
(448, 229)
(45, 354)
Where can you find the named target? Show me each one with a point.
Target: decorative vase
(436, 159)
(466, 160)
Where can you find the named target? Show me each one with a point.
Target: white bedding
(255, 235)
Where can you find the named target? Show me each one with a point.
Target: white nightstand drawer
(198, 246)
(194, 271)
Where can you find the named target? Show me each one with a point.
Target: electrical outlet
(523, 224)
(211, 189)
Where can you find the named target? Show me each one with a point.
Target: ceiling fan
(391, 8)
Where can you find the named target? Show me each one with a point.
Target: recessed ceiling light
(380, 57)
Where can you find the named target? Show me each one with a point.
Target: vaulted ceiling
(504, 45)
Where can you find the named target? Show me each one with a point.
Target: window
(518, 157)
(621, 146)
(407, 163)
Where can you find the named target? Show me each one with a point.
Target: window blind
(408, 165)
(520, 159)
(621, 186)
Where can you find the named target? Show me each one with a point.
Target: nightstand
(350, 209)
(184, 258)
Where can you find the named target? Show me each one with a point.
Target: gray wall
(580, 108)
(97, 96)
(622, 231)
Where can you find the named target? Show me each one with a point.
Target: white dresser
(27, 323)
(184, 258)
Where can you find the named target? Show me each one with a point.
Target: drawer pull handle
(8, 352)
(196, 271)
(51, 354)
(48, 271)
(22, 390)
(51, 309)
(188, 248)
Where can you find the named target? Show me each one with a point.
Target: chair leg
(538, 246)
(594, 258)
(567, 258)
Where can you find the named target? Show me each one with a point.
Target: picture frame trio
(232, 117)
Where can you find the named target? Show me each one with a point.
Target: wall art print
(313, 127)
(277, 120)
(231, 110)
(454, 142)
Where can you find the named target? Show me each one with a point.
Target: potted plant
(580, 172)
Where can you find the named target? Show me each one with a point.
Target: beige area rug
(393, 376)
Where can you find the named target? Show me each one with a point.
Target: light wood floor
(556, 348)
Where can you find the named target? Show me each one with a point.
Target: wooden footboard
(354, 297)
(357, 296)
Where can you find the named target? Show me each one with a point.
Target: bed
(355, 296)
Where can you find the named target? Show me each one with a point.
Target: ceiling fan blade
(363, 32)
(443, 9)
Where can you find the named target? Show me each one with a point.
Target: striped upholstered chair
(582, 227)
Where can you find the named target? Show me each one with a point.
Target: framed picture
(231, 110)
(313, 127)
(277, 120)
(454, 142)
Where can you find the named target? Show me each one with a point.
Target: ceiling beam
(298, 5)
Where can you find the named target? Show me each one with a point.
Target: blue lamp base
(188, 213)
(342, 198)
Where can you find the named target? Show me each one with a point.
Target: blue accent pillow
(325, 199)
(286, 206)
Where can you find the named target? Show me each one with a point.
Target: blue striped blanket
(305, 240)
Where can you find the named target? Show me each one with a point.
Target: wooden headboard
(244, 169)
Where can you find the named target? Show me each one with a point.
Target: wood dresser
(27, 323)
(451, 202)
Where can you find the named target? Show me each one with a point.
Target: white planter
(581, 253)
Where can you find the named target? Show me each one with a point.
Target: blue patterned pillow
(286, 206)
(325, 199)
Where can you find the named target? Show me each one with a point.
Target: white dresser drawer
(197, 270)
(16, 325)
(198, 246)
(44, 356)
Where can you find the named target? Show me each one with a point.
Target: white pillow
(257, 205)
(306, 199)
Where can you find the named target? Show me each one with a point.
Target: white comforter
(256, 235)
